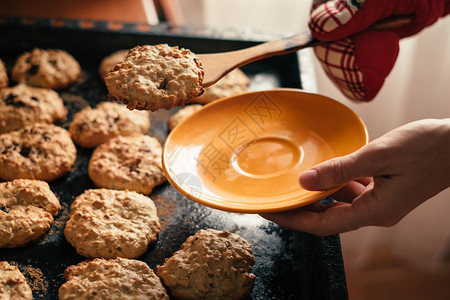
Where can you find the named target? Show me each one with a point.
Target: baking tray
(289, 264)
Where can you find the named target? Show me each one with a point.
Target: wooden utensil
(217, 65)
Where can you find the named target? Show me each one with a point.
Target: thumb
(338, 171)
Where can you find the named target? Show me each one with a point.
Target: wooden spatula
(217, 65)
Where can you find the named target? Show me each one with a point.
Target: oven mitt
(358, 61)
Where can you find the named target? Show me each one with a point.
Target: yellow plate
(245, 153)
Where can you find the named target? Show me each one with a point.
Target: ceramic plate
(245, 153)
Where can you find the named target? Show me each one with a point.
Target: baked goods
(109, 62)
(22, 105)
(182, 114)
(110, 223)
(13, 285)
(235, 82)
(132, 162)
(38, 151)
(155, 77)
(211, 264)
(118, 278)
(27, 211)
(53, 68)
(3, 75)
(92, 126)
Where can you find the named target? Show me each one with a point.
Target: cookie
(182, 114)
(38, 151)
(3, 75)
(235, 82)
(23, 105)
(131, 162)
(155, 77)
(53, 68)
(13, 285)
(109, 62)
(27, 211)
(211, 264)
(112, 279)
(92, 126)
(111, 223)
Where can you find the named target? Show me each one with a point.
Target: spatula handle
(303, 40)
(238, 58)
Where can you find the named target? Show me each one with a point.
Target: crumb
(35, 279)
(165, 207)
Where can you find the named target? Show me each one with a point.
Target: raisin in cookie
(211, 264)
(154, 77)
(13, 285)
(110, 223)
(182, 114)
(119, 278)
(3, 75)
(23, 105)
(53, 68)
(109, 62)
(235, 82)
(39, 151)
(92, 126)
(27, 211)
(131, 162)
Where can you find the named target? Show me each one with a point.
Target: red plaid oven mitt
(358, 61)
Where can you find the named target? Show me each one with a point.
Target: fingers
(330, 174)
(368, 161)
(350, 191)
(337, 217)
(340, 217)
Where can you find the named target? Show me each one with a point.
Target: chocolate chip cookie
(182, 114)
(13, 285)
(235, 82)
(22, 105)
(128, 162)
(111, 223)
(27, 208)
(155, 77)
(118, 278)
(3, 75)
(92, 126)
(109, 62)
(211, 264)
(52, 68)
(38, 151)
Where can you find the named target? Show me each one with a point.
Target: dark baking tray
(289, 264)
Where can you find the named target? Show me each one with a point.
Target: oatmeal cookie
(53, 68)
(119, 278)
(155, 77)
(182, 114)
(235, 82)
(110, 223)
(92, 126)
(13, 285)
(23, 105)
(211, 264)
(109, 62)
(132, 162)
(39, 151)
(3, 75)
(27, 211)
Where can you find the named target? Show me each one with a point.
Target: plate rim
(303, 201)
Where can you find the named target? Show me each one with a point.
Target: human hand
(358, 61)
(382, 182)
